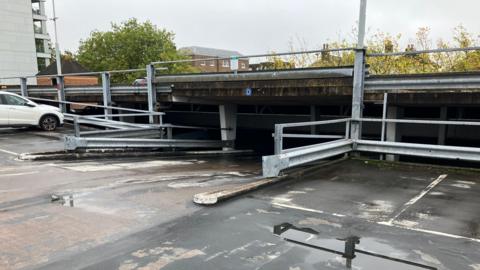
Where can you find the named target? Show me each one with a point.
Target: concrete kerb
(213, 197)
(122, 153)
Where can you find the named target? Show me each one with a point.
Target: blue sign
(248, 92)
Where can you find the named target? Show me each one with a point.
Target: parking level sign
(234, 63)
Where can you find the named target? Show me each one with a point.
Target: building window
(243, 66)
(212, 63)
(40, 45)
(36, 8)
(203, 63)
(225, 63)
(41, 63)
(37, 27)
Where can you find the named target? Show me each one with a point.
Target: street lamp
(57, 46)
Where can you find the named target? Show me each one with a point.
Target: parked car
(17, 111)
(140, 82)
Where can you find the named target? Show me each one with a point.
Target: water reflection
(346, 253)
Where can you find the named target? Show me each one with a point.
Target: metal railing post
(23, 87)
(347, 129)
(151, 91)
(107, 95)
(384, 115)
(278, 138)
(61, 93)
(76, 126)
(357, 94)
(359, 75)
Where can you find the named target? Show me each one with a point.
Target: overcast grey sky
(256, 26)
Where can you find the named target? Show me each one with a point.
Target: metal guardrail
(118, 134)
(453, 81)
(287, 158)
(74, 143)
(442, 50)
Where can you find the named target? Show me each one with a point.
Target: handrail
(279, 135)
(424, 52)
(253, 56)
(314, 123)
(425, 122)
(90, 105)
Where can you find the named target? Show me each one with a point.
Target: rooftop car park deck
(137, 213)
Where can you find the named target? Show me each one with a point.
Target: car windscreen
(14, 100)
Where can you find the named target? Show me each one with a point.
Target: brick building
(68, 66)
(196, 52)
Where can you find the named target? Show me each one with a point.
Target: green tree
(422, 63)
(130, 45)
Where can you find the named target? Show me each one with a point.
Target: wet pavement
(138, 214)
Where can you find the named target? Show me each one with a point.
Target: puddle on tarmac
(368, 253)
(102, 205)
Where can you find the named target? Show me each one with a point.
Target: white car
(17, 111)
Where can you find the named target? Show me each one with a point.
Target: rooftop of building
(205, 51)
(68, 66)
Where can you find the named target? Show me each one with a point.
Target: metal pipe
(362, 24)
(151, 91)
(316, 123)
(57, 43)
(23, 87)
(252, 56)
(278, 139)
(90, 105)
(84, 73)
(61, 93)
(124, 115)
(425, 52)
(107, 94)
(423, 122)
(262, 75)
(384, 115)
(310, 136)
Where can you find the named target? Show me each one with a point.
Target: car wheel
(49, 123)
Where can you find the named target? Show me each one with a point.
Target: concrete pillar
(442, 129)
(228, 124)
(392, 132)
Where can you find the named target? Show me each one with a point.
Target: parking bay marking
(417, 198)
(454, 236)
(18, 174)
(8, 152)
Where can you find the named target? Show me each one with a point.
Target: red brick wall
(217, 65)
(70, 80)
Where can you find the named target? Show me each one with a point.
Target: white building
(24, 39)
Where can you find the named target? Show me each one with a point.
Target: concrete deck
(138, 214)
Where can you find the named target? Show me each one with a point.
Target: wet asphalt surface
(138, 214)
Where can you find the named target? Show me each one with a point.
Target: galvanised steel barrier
(288, 158)
(128, 135)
